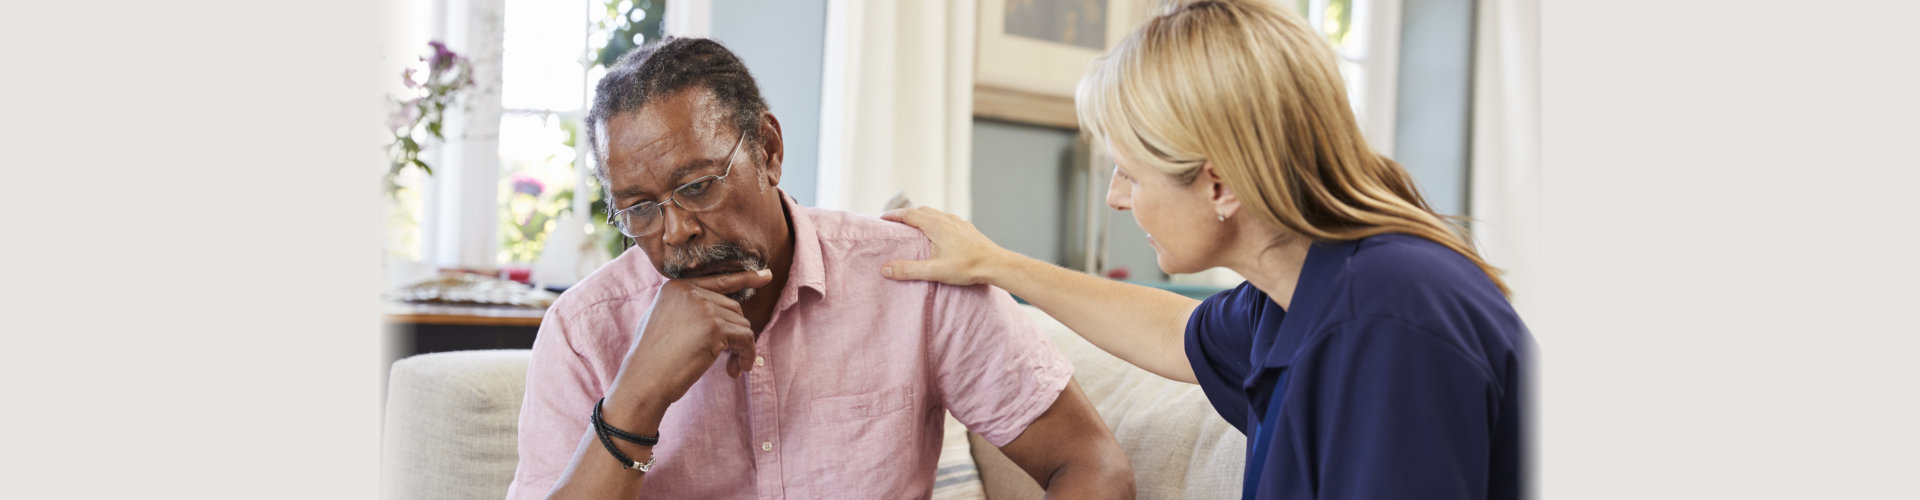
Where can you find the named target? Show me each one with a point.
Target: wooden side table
(423, 328)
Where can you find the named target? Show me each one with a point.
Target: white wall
(1433, 108)
(782, 44)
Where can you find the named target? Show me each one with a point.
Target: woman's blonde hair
(1253, 89)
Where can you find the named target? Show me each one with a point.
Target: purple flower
(403, 118)
(407, 77)
(524, 184)
(442, 58)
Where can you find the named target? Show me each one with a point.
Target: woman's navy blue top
(1400, 371)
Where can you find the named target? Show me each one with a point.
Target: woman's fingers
(898, 215)
(906, 270)
(919, 217)
(957, 248)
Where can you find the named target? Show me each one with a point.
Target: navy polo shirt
(1400, 372)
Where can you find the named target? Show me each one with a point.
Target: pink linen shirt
(846, 397)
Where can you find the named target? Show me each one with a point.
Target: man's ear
(1225, 203)
(773, 147)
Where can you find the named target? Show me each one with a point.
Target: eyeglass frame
(673, 196)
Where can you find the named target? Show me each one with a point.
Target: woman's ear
(1225, 203)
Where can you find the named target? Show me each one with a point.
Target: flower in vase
(525, 184)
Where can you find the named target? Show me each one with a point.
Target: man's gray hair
(660, 69)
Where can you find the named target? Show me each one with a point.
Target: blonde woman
(1371, 352)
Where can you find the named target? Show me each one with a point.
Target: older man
(751, 348)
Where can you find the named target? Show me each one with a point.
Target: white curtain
(1506, 170)
(468, 179)
(896, 104)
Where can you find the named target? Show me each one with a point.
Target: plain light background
(191, 249)
(1730, 250)
(192, 243)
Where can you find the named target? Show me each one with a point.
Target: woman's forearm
(1142, 325)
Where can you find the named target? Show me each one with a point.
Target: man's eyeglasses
(644, 218)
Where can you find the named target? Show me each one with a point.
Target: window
(550, 54)
(1364, 34)
(543, 79)
(553, 56)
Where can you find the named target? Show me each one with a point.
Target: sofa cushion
(1178, 446)
(451, 421)
(956, 478)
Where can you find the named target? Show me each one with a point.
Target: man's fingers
(734, 317)
(733, 282)
(739, 340)
(726, 310)
(725, 303)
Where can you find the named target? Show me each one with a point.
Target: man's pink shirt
(846, 398)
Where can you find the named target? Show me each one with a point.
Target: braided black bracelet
(601, 422)
(625, 463)
(601, 430)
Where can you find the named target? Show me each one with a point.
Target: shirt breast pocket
(864, 437)
(832, 409)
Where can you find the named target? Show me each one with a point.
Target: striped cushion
(956, 478)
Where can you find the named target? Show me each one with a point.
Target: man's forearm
(595, 472)
(1069, 451)
(1095, 477)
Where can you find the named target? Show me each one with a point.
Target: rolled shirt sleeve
(994, 369)
(1218, 340)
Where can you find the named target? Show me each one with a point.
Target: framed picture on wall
(1031, 54)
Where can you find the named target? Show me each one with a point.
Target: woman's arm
(1142, 325)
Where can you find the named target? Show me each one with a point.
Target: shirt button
(767, 446)
(759, 361)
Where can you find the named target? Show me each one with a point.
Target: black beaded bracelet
(601, 423)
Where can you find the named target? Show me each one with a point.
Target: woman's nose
(1119, 194)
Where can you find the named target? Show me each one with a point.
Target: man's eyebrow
(630, 192)
(685, 169)
(679, 174)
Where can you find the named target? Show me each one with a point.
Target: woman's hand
(961, 255)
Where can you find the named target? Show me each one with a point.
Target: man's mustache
(688, 258)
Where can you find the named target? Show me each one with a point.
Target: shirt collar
(1275, 348)
(808, 271)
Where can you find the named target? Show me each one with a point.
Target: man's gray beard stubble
(684, 259)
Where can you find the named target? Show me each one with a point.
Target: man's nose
(680, 226)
